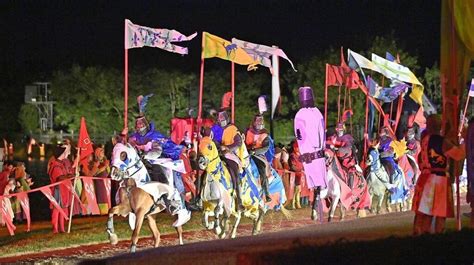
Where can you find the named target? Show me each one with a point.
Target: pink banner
(90, 194)
(7, 217)
(47, 192)
(108, 188)
(25, 205)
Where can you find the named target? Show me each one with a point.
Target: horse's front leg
(110, 226)
(334, 203)
(179, 230)
(154, 229)
(238, 217)
(218, 211)
(138, 226)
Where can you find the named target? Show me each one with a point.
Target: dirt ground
(200, 246)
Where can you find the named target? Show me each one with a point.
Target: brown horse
(138, 202)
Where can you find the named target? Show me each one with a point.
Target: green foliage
(28, 118)
(97, 93)
(433, 84)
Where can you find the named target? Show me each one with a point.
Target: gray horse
(378, 181)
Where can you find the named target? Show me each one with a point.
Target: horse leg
(179, 230)
(138, 226)
(218, 219)
(154, 229)
(334, 203)
(343, 211)
(117, 210)
(237, 216)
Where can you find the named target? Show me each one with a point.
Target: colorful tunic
(433, 191)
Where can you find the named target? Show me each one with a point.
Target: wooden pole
(76, 177)
(125, 105)
(233, 90)
(326, 99)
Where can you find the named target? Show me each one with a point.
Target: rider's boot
(240, 205)
(265, 189)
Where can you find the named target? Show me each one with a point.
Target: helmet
(141, 125)
(411, 133)
(340, 128)
(384, 131)
(305, 96)
(258, 122)
(223, 118)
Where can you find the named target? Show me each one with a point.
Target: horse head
(207, 152)
(126, 163)
(373, 157)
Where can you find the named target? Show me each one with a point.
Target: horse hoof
(133, 248)
(222, 236)
(329, 219)
(314, 215)
(113, 239)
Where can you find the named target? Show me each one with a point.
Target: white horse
(333, 190)
(139, 198)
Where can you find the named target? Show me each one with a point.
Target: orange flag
(84, 142)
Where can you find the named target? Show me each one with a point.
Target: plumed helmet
(384, 131)
(305, 96)
(223, 118)
(340, 126)
(142, 126)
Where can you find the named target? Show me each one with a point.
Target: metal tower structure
(38, 94)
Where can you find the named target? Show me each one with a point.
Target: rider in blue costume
(145, 134)
(387, 158)
(146, 138)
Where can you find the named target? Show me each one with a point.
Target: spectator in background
(99, 166)
(5, 174)
(7, 189)
(60, 168)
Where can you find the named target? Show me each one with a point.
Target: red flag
(84, 142)
(5, 212)
(90, 194)
(25, 205)
(334, 75)
(47, 192)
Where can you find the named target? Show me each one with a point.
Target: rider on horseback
(257, 141)
(230, 145)
(343, 144)
(147, 140)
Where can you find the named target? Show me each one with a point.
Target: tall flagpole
(76, 176)
(201, 85)
(125, 105)
(326, 98)
(232, 85)
(275, 87)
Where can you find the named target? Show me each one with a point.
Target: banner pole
(326, 99)
(232, 80)
(76, 176)
(125, 105)
(201, 86)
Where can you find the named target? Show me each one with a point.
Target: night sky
(39, 37)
